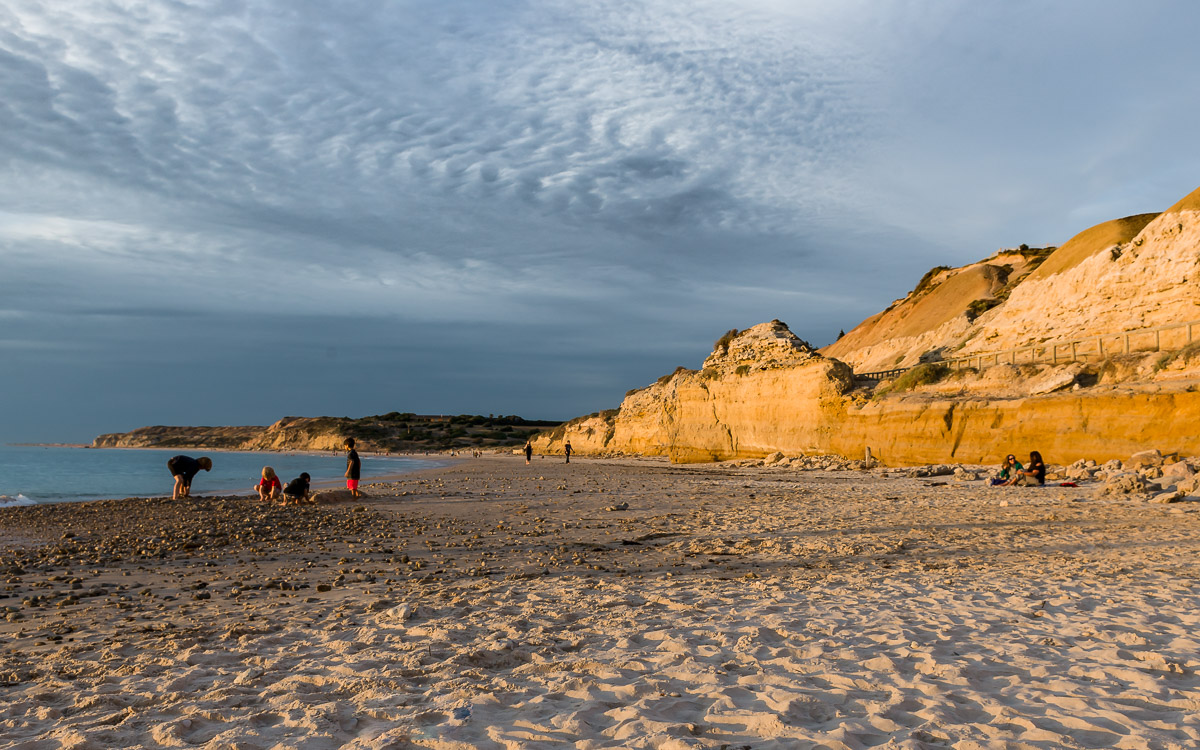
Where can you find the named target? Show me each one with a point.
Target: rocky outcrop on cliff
(761, 390)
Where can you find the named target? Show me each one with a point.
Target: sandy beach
(607, 604)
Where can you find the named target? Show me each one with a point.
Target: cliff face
(1151, 279)
(764, 390)
(1136, 272)
(759, 390)
(810, 407)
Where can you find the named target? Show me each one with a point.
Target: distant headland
(396, 432)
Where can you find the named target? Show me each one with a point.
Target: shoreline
(32, 480)
(608, 603)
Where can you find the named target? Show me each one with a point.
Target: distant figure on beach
(567, 450)
(184, 468)
(353, 468)
(1032, 476)
(269, 486)
(297, 489)
(528, 453)
(1008, 470)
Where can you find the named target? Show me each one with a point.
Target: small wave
(10, 502)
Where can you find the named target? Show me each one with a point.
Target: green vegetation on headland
(400, 432)
(411, 432)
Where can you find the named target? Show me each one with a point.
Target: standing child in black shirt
(353, 468)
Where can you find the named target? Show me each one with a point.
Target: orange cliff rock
(806, 404)
(764, 390)
(759, 390)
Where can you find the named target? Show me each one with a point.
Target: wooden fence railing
(1092, 348)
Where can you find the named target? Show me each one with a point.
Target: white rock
(1056, 379)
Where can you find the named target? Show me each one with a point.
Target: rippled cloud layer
(228, 211)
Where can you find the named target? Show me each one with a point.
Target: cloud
(595, 189)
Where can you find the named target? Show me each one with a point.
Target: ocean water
(31, 475)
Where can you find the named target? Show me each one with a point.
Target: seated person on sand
(184, 468)
(1008, 470)
(1034, 475)
(297, 489)
(269, 488)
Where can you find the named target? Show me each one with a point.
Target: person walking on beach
(528, 452)
(353, 468)
(183, 469)
(567, 450)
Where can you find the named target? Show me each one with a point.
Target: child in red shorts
(353, 468)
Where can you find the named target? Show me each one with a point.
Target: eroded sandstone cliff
(1127, 274)
(764, 390)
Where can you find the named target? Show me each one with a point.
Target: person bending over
(297, 489)
(183, 469)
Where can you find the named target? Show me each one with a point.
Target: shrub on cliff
(926, 374)
(668, 378)
(723, 342)
(1184, 356)
(979, 307)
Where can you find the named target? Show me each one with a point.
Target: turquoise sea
(31, 475)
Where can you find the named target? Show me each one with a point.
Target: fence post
(1100, 346)
(1157, 341)
(1127, 343)
(1073, 357)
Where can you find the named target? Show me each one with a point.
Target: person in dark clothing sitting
(184, 468)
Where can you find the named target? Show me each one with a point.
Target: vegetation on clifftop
(396, 431)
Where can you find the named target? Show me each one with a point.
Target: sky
(231, 211)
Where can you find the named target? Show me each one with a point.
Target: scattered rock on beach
(1145, 458)
(1173, 496)
(932, 470)
(1128, 483)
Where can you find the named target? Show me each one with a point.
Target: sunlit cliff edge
(763, 390)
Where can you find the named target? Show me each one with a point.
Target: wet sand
(606, 603)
